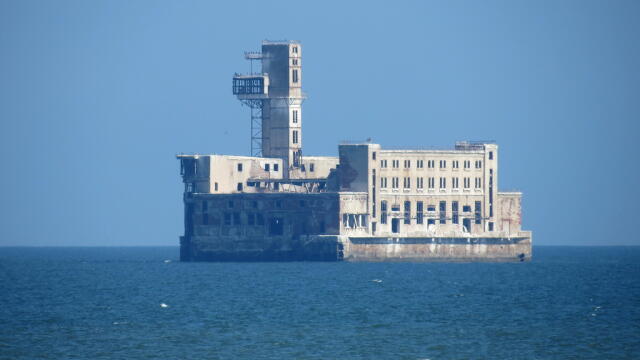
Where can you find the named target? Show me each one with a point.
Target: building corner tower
(276, 93)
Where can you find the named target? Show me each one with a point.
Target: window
(373, 155)
(467, 182)
(295, 136)
(443, 164)
(467, 164)
(239, 186)
(455, 164)
(443, 183)
(303, 168)
(395, 207)
(275, 167)
(240, 167)
(395, 182)
(383, 212)
(266, 167)
(478, 183)
(407, 212)
(419, 212)
(295, 116)
(294, 62)
(215, 186)
(466, 208)
(431, 164)
(383, 182)
(295, 75)
(431, 208)
(383, 163)
(294, 49)
(443, 212)
(491, 226)
(454, 183)
(420, 183)
(311, 167)
(420, 164)
(478, 164)
(407, 183)
(432, 183)
(454, 212)
(407, 164)
(478, 212)
(490, 155)
(395, 163)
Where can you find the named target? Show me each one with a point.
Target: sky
(97, 98)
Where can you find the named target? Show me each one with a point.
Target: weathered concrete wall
(436, 249)
(510, 205)
(245, 227)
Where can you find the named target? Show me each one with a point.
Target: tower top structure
(274, 94)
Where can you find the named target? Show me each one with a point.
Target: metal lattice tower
(273, 92)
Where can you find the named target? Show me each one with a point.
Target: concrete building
(369, 204)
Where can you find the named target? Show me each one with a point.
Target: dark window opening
(478, 212)
(266, 167)
(383, 212)
(419, 212)
(311, 167)
(239, 186)
(490, 155)
(407, 212)
(276, 226)
(454, 210)
(239, 167)
(443, 212)
(275, 167)
(490, 226)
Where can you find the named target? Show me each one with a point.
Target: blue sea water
(142, 303)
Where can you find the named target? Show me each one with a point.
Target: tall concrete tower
(275, 97)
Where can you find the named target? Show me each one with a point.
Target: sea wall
(436, 248)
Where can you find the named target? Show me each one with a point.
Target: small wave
(163, 305)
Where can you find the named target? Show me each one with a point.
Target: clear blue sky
(96, 98)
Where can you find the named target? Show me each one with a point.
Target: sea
(143, 303)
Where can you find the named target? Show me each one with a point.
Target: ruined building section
(276, 93)
(368, 204)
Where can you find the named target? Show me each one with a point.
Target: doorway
(395, 226)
